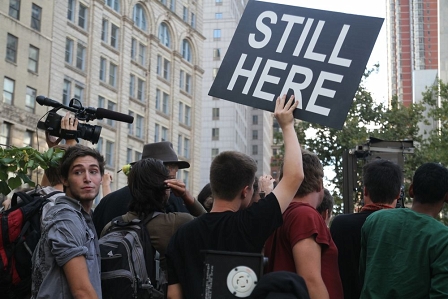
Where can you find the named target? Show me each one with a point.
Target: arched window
(139, 17)
(114, 4)
(186, 50)
(164, 35)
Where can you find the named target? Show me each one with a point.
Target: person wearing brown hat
(117, 203)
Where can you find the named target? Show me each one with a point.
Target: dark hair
(53, 173)
(314, 174)
(205, 197)
(430, 183)
(230, 172)
(74, 152)
(327, 203)
(382, 180)
(146, 180)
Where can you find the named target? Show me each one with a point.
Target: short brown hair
(230, 172)
(314, 174)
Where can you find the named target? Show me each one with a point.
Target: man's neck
(312, 199)
(432, 210)
(221, 205)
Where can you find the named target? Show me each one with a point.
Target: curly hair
(146, 181)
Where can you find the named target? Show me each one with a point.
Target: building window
(66, 92)
(186, 50)
(185, 14)
(103, 63)
(215, 113)
(109, 157)
(254, 149)
(139, 126)
(104, 30)
(114, 4)
(36, 16)
(141, 54)
(187, 148)
(30, 99)
(255, 119)
(164, 134)
(156, 132)
(112, 75)
(79, 93)
(80, 57)
(71, 10)
(14, 9)
(159, 65)
(133, 49)
(33, 59)
(8, 91)
(131, 125)
(140, 89)
(215, 133)
(166, 69)
(28, 137)
(164, 35)
(5, 134)
(181, 79)
(114, 36)
(193, 20)
(173, 5)
(99, 145)
(68, 50)
(188, 83)
(215, 152)
(129, 156)
(82, 16)
(217, 34)
(218, 15)
(218, 2)
(166, 103)
(139, 17)
(216, 54)
(255, 134)
(187, 115)
(137, 156)
(186, 177)
(11, 48)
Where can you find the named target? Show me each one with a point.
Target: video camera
(52, 123)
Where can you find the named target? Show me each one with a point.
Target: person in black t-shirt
(232, 225)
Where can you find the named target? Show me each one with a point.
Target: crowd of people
(380, 252)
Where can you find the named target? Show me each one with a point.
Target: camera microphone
(44, 101)
(109, 114)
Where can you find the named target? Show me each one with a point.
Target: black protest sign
(319, 56)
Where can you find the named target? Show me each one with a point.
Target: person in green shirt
(404, 252)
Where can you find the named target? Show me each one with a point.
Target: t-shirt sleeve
(261, 219)
(67, 237)
(303, 223)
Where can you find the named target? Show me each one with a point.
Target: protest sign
(319, 56)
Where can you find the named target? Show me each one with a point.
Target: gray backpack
(128, 261)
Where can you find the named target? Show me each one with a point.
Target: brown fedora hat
(163, 151)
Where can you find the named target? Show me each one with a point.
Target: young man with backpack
(66, 260)
(137, 235)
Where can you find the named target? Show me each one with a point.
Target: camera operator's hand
(69, 123)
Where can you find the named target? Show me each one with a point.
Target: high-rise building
(227, 125)
(141, 58)
(412, 30)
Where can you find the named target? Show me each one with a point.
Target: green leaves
(16, 163)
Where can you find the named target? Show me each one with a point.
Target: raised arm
(292, 162)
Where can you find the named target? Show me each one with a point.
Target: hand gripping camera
(52, 123)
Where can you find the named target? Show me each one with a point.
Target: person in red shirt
(303, 244)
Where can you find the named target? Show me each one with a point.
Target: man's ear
(366, 193)
(411, 190)
(244, 192)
